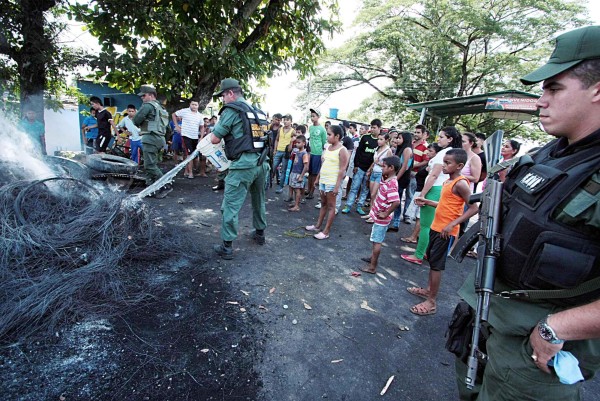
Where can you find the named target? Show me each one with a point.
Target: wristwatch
(547, 333)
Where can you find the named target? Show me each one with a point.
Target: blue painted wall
(119, 99)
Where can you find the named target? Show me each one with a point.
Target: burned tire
(111, 164)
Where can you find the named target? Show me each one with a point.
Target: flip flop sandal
(410, 259)
(320, 235)
(367, 271)
(311, 228)
(408, 240)
(424, 311)
(418, 291)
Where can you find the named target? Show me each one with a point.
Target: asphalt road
(318, 341)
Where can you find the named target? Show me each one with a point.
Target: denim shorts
(375, 176)
(378, 233)
(326, 187)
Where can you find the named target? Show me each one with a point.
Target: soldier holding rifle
(547, 303)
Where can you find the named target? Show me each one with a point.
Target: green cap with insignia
(226, 84)
(572, 48)
(147, 89)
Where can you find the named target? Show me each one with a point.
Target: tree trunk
(31, 61)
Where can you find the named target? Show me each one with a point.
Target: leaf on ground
(204, 350)
(246, 293)
(233, 302)
(365, 305)
(337, 361)
(262, 307)
(242, 309)
(307, 306)
(272, 290)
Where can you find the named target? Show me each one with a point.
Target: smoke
(19, 156)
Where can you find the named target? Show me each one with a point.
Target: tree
(185, 48)
(414, 51)
(32, 59)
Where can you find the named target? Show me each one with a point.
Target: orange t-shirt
(449, 208)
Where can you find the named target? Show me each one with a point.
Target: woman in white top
(448, 138)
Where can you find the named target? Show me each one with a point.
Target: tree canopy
(32, 58)
(186, 47)
(414, 51)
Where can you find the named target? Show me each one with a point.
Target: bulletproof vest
(254, 125)
(539, 252)
(161, 119)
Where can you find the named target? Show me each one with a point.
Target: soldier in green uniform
(550, 233)
(241, 126)
(152, 119)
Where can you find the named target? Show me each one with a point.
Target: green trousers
(427, 215)
(510, 375)
(151, 151)
(237, 184)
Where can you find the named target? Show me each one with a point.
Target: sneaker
(346, 209)
(224, 252)
(220, 186)
(336, 210)
(406, 220)
(393, 229)
(279, 190)
(258, 238)
(360, 211)
(318, 205)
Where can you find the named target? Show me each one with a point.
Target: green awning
(503, 104)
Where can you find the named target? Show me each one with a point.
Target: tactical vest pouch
(559, 261)
(460, 334)
(537, 184)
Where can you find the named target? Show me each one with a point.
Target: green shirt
(230, 123)
(148, 113)
(318, 139)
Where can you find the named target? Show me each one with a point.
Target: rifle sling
(583, 288)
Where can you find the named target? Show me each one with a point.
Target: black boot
(259, 237)
(220, 186)
(224, 250)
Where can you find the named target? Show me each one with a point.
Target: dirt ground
(281, 321)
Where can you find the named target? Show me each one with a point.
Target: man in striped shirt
(387, 200)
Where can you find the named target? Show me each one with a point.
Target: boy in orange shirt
(446, 223)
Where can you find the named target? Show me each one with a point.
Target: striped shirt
(387, 194)
(190, 122)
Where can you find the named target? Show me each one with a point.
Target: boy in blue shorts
(387, 200)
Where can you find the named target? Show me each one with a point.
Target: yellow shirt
(284, 138)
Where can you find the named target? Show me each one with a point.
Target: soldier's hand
(543, 351)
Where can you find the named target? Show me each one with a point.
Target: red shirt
(419, 154)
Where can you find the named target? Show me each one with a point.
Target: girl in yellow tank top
(329, 181)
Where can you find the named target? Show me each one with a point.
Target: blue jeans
(135, 148)
(398, 211)
(359, 181)
(278, 159)
(409, 194)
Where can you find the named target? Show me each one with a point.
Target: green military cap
(226, 84)
(572, 48)
(147, 89)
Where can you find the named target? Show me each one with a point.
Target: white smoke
(19, 154)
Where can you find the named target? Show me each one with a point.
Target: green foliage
(185, 48)
(414, 51)
(33, 64)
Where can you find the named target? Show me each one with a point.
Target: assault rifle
(486, 234)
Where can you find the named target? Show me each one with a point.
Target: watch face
(546, 333)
